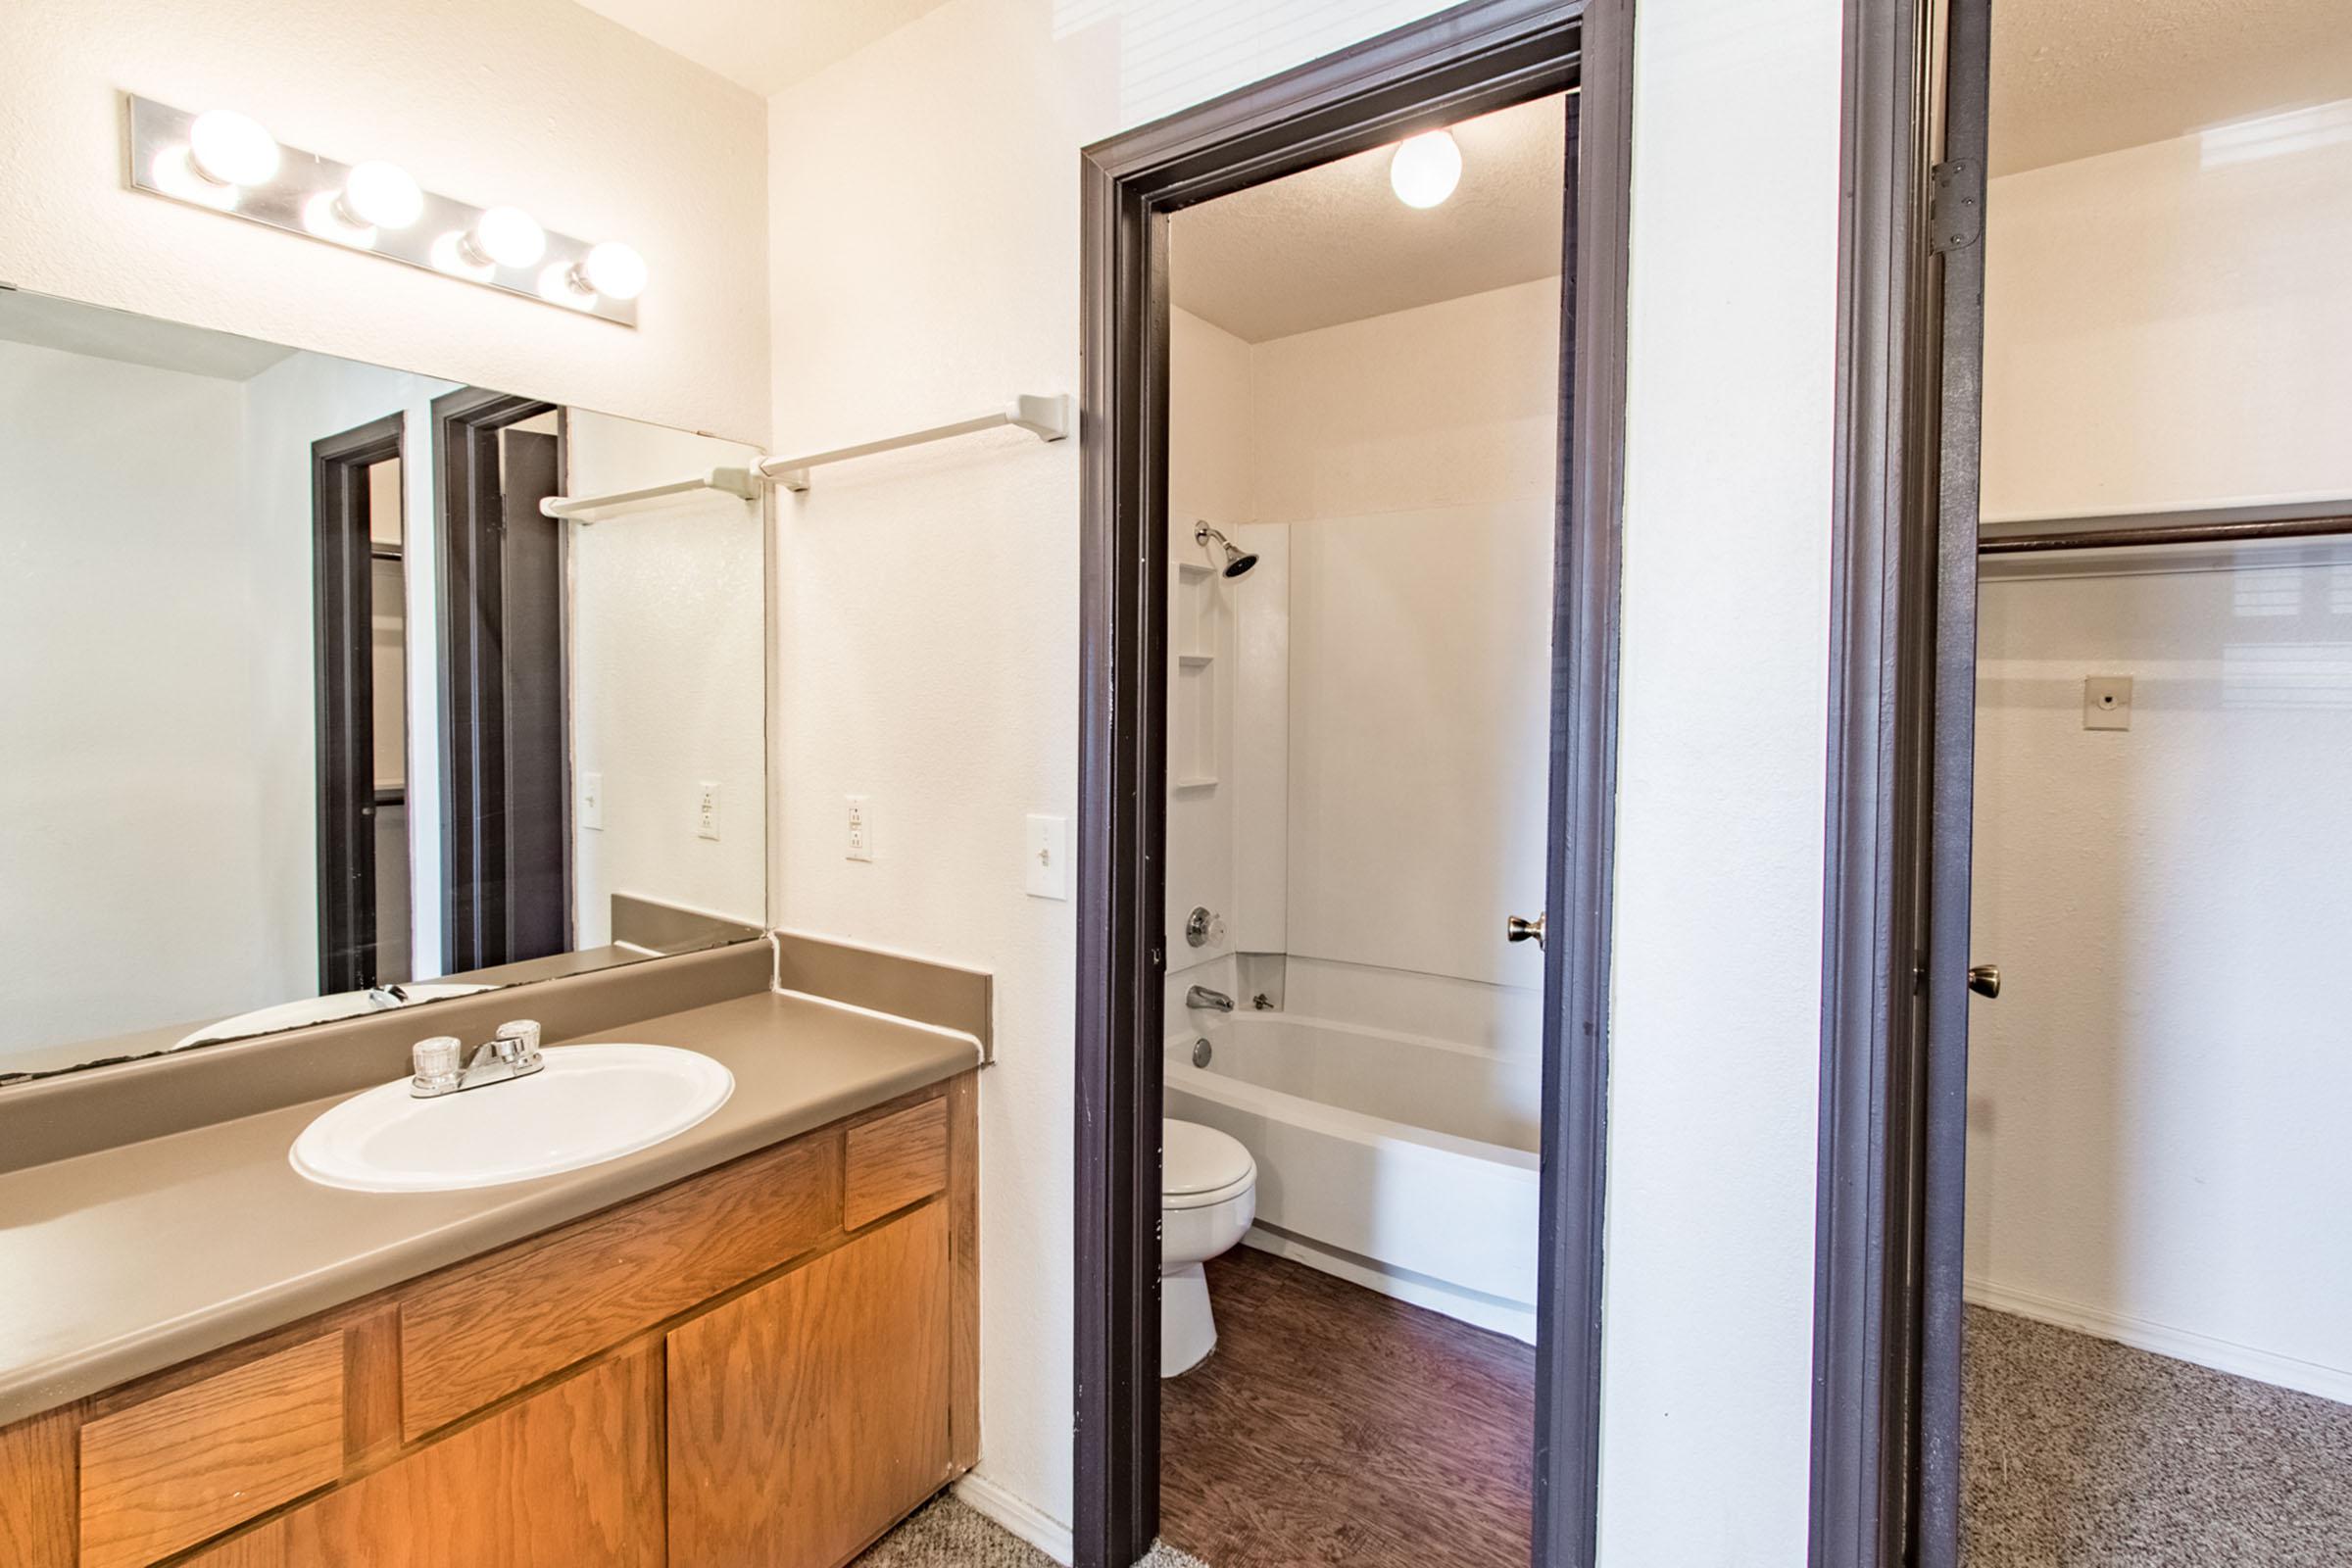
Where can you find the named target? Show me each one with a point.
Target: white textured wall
(2169, 325)
(540, 103)
(668, 677)
(2154, 1142)
(929, 624)
(1716, 1031)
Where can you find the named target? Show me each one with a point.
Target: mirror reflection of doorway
(362, 712)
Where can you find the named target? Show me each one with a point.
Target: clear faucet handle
(524, 1032)
(436, 1060)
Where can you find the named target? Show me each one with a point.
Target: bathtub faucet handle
(1519, 928)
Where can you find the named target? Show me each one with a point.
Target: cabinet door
(811, 1415)
(569, 1477)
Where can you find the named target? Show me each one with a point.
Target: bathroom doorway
(2111, 1330)
(1182, 567)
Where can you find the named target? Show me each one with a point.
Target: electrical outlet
(706, 811)
(2107, 702)
(1048, 875)
(592, 802)
(860, 843)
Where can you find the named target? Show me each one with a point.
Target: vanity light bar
(224, 161)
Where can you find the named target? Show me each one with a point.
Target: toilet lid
(1200, 1159)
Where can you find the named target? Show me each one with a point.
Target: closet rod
(1044, 416)
(2178, 529)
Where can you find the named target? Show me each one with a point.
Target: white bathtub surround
(1373, 1146)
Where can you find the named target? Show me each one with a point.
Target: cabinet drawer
(177, 1469)
(480, 1332)
(895, 1160)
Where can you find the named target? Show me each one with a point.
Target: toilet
(1208, 1198)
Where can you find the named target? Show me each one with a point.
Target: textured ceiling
(1334, 244)
(103, 334)
(762, 44)
(2076, 77)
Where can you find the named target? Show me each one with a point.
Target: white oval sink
(592, 1104)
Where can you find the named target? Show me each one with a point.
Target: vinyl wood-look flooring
(1336, 1425)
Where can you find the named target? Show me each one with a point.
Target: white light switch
(860, 843)
(1049, 857)
(2107, 702)
(591, 800)
(705, 810)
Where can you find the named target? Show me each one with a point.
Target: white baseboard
(1418, 1289)
(2181, 1344)
(1024, 1519)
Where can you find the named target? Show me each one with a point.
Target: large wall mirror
(311, 709)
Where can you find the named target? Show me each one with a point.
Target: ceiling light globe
(232, 149)
(509, 236)
(615, 271)
(1426, 169)
(383, 195)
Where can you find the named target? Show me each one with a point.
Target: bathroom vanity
(770, 1358)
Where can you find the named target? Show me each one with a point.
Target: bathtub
(1404, 1163)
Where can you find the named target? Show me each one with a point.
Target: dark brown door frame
(343, 696)
(1894, 996)
(470, 592)
(1470, 60)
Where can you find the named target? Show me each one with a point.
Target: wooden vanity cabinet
(771, 1362)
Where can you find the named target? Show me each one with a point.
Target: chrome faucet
(1203, 997)
(441, 1065)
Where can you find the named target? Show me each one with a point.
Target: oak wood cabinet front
(811, 1414)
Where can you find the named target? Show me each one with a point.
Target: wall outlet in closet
(2107, 702)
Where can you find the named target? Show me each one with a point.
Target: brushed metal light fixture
(229, 163)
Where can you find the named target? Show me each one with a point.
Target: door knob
(1519, 928)
(1985, 979)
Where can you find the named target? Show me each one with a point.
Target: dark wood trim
(1470, 60)
(1909, 353)
(469, 591)
(1583, 793)
(343, 696)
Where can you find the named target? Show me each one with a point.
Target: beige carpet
(2078, 1452)
(948, 1535)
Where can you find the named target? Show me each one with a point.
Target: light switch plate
(2107, 702)
(860, 844)
(1049, 855)
(591, 800)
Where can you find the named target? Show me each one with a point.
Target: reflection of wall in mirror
(668, 678)
(158, 801)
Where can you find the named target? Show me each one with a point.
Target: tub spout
(1203, 997)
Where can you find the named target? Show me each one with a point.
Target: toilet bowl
(1208, 1198)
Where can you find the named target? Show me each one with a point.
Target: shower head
(1237, 562)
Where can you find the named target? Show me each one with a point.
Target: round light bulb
(381, 194)
(508, 236)
(322, 215)
(174, 175)
(614, 270)
(231, 149)
(1426, 169)
(559, 286)
(454, 254)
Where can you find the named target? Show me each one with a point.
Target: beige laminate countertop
(128, 1260)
